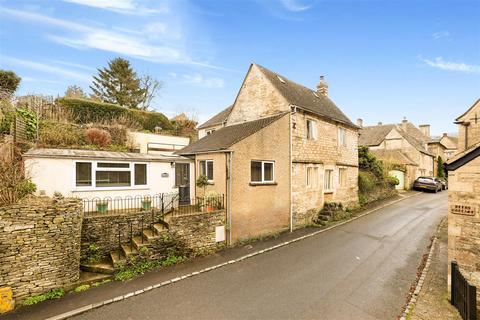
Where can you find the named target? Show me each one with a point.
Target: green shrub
(366, 182)
(89, 111)
(368, 162)
(60, 134)
(93, 254)
(392, 181)
(53, 294)
(82, 288)
(6, 122)
(30, 120)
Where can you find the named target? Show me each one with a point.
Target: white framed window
(312, 177)
(110, 174)
(262, 171)
(206, 169)
(210, 131)
(342, 137)
(311, 129)
(328, 180)
(342, 177)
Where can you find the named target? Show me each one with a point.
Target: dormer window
(280, 79)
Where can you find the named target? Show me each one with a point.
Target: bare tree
(151, 86)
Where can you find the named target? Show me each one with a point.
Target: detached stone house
(281, 152)
(469, 127)
(403, 146)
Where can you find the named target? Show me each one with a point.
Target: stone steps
(104, 267)
(91, 277)
(150, 235)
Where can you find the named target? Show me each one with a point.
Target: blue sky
(383, 60)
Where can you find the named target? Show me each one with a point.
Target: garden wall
(40, 245)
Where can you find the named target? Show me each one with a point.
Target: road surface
(360, 270)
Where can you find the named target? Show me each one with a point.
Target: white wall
(141, 140)
(52, 175)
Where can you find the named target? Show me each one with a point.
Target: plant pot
(146, 205)
(102, 207)
(210, 208)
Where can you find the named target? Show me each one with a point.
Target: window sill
(255, 184)
(111, 189)
(328, 191)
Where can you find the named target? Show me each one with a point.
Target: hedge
(88, 111)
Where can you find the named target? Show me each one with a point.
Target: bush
(13, 184)
(392, 181)
(60, 135)
(53, 294)
(88, 111)
(368, 162)
(366, 182)
(98, 137)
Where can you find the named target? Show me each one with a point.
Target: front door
(182, 181)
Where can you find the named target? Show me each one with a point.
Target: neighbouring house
(464, 213)
(156, 143)
(469, 127)
(443, 146)
(278, 155)
(214, 123)
(406, 139)
(101, 174)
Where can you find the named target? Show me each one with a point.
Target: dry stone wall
(40, 245)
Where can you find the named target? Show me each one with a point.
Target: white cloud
(296, 5)
(439, 35)
(439, 63)
(32, 79)
(43, 67)
(120, 6)
(75, 65)
(198, 79)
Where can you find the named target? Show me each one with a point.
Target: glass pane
(83, 174)
(203, 171)
(182, 174)
(210, 170)
(112, 165)
(113, 179)
(268, 171)
(256, 171)
(140, 174)
(328, 179)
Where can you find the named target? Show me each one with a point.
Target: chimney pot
(445, 134)
(360, 122)
(322, 86)
(380, 123)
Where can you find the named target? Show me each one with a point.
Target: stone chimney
(445, 135)
(380, 123)
(322, 86)
(425, 128)
(404, 124)
(360, 122)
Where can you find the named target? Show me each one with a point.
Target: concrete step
(104, 267)
(118, 257)
(91, 277)
(158, 228)
(128, 249)
(149, 234)
(138, 243)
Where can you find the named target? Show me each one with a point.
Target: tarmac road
(360, 270)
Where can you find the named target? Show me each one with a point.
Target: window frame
(309, 186)
(206, 169)
(332, 188)
(342, 143)
(95, 169)
(342, 183)
(314, 131)
(263, 181)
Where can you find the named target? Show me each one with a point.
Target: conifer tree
(118, 83)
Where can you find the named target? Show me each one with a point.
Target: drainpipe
(294, 110)
(229, 198)
(466, 134)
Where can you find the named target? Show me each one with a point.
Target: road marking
(253, 254)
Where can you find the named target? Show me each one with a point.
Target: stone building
(280, 151)
(469, 127)
(404, 143)
(214, 123)
(464, 213)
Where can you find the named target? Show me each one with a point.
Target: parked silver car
(428, 183)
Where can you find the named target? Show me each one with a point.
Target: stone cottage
(388, 141)
(281, 152)
(469, 127)
(214, 123)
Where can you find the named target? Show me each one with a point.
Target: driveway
(360, 270)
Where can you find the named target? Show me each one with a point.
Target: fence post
(472, 302)
(453, 276)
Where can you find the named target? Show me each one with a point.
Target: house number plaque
(465, 210)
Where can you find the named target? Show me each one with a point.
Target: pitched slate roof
(374, 135)
(394, 157)
(227, 136)
(463, 158)
(305, 98)
(99, 155)
(468, 110)
(219, 118)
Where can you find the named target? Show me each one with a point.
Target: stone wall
(102, 230)
(473, 130)
(40, 245)
(196, 231)
(464, 221)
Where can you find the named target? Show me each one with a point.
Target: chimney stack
(425, 128)
(404, 124)
(445, 135)
(379, 123)
(360, 122)
(322, 86)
